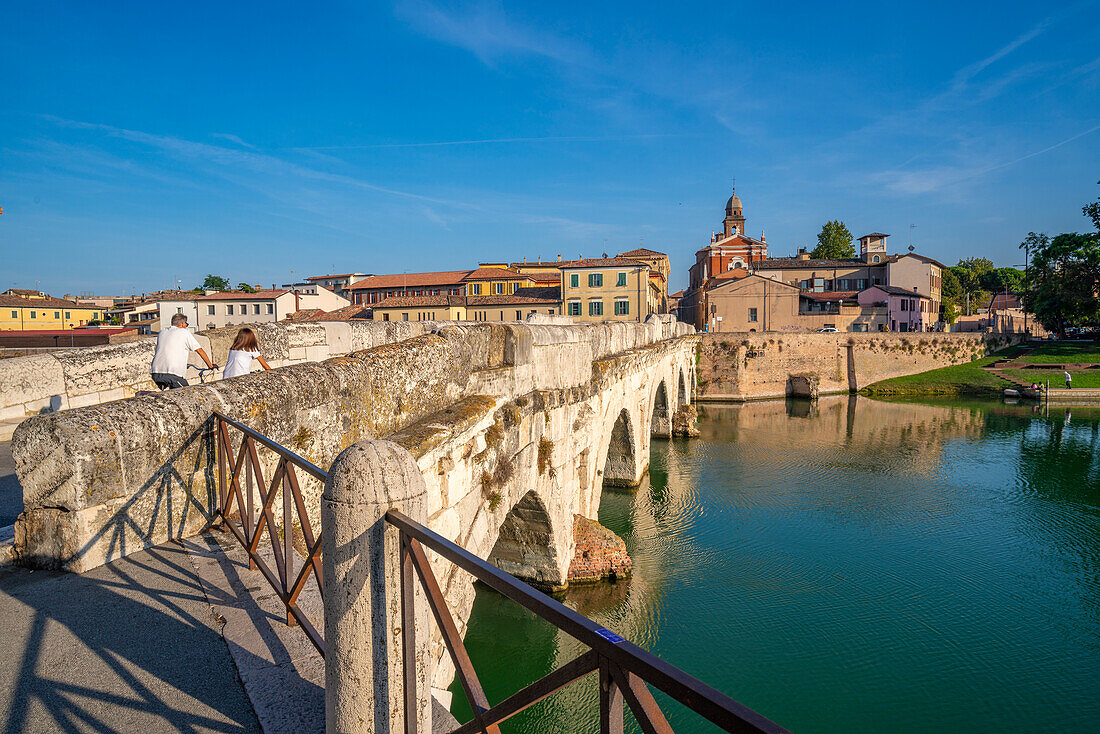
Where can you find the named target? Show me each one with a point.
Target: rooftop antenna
(911, 228)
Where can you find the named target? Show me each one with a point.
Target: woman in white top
(245, 349)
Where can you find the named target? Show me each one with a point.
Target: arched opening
(524, 546)
(681, 391)
(619, 470)
(661, 421)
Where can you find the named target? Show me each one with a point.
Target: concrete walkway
(128, 647)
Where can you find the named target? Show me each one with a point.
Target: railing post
(611, 701)
(223, 487)
(364, 623)
(408, 632)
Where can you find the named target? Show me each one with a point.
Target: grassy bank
(971, 379)
(960, 379)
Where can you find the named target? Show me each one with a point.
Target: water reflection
(850, 564)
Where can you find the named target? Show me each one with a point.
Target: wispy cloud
(492, 141)
(233, 139)
(231, 163)
(929, 179)
(485, 30)
(964, 75)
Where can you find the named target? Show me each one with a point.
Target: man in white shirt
(170, 361)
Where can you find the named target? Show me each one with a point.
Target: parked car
(828, 330)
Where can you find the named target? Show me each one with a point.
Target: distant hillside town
(734, 285)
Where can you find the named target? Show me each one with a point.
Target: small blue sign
(610, 636)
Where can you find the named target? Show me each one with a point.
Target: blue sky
(144, 143)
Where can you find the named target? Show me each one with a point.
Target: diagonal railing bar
(314, 543)
(646, 711)
(234, 475)
(625, 670)
(688, 690)
(544, 687)
(451, 637)
(267, 519)
(287, 580)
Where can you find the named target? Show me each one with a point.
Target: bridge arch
(526, 546)
(660, 422)
(681, 390)
(620, 468)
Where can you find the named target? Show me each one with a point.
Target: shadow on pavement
(132, 646)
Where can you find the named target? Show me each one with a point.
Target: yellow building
(420, 308)
(34, 311)
(660, 270)
(609, 289)
(462, 308)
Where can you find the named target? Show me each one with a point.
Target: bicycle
(203, 370)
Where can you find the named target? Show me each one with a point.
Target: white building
(216, 310)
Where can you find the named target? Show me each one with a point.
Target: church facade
(730, 254)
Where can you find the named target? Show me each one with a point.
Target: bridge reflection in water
(853, 565)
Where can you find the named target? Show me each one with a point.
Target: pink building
(907, 310)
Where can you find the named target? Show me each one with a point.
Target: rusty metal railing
(249, 527)
(625, 670)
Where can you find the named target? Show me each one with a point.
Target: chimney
(559, 257)
(272, 286)
(802, 254)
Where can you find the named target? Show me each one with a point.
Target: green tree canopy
(216, 283)
(950, 289)
(245, 287)
(1002, 280)
(1092, 211)
(1063, 277)
(978, 265)
(833, 241)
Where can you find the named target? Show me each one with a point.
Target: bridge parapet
(106, 480)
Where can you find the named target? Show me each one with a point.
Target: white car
(828, 330)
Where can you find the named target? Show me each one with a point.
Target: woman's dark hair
(246, 341)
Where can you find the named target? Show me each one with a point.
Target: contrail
(485, 141)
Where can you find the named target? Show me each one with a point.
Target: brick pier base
(600, 553)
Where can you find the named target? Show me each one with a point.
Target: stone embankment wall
(746, 366)
(74, 378)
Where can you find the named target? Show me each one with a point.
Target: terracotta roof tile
(411, 280)
(605, 262)
(238, 296)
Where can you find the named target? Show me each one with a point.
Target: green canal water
(857, 565)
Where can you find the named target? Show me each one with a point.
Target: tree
(245, 288)
(1063, 279)
(834, 241)
(215, 283)
(1092, 211)
(950, 289)
(978, 265)
(1002, 280)
(951, 312)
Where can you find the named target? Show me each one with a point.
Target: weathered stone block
(30, 378)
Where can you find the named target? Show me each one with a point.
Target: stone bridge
(515, 427)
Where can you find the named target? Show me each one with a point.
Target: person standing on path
(170, 360)
(244, 350)
(1069, 380)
